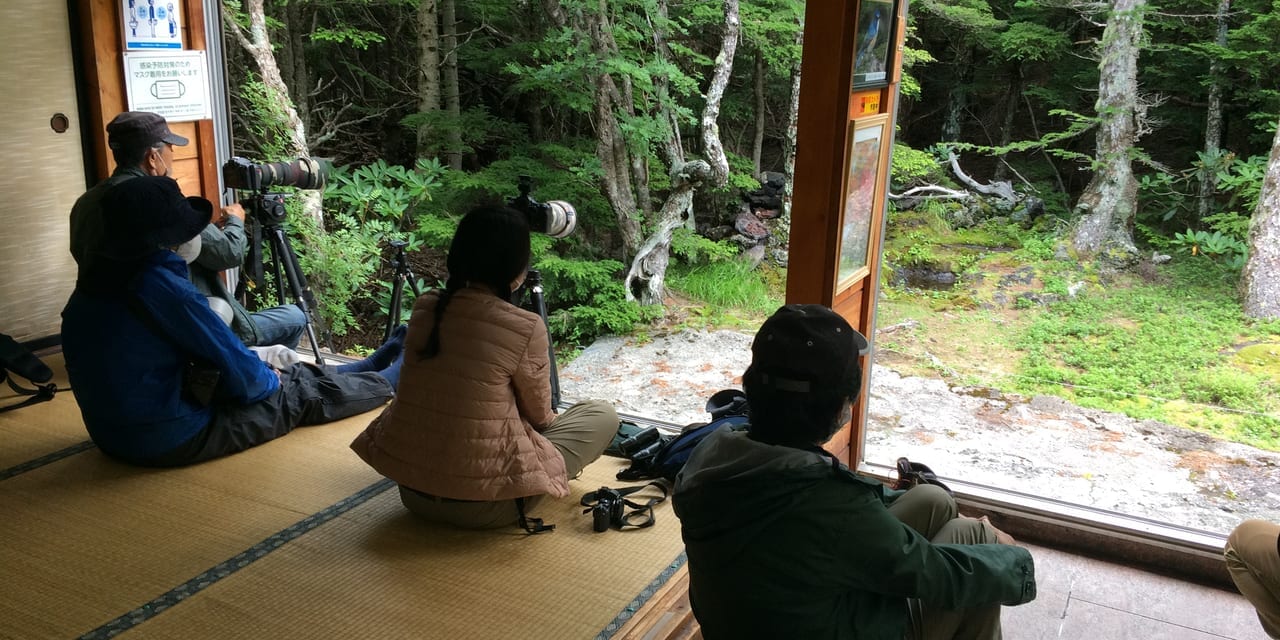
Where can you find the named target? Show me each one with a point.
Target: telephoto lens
(638, 441)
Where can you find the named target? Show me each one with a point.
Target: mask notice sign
(174, 84)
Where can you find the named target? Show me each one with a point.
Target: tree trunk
(1001, 173)
(428, 67)
(646, 280)
(789, 143)
(1260, 279)
(1106, 208)
(257, 44)
(1213, 117)
(757, 144)
(301, 81)
(958, 97)
(452, 99)
(611, 146)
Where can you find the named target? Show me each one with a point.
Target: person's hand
(229, 211)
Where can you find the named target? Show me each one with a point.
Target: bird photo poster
(875, 37)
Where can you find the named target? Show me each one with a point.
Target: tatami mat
(85, 539)
(294, 539)
(377, 572)
(41, 429)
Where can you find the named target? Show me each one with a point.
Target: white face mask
(168, 171)
(189, 250)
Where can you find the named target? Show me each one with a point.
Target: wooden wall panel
(197, 171)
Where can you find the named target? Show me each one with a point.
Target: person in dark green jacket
(784, 541)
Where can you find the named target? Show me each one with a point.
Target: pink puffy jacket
(465, 423)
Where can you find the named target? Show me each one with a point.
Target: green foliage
(1037, 247)
(911, 167)
(1214, 245)
(1032, 42)
(586, 299)
(366, 206)
(726, 283)
(347, 34)
(695, 249)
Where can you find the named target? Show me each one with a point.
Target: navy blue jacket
(128, 380)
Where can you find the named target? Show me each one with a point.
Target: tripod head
(267, 209)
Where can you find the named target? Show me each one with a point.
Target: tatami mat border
(643, 597)
(236, 563)
(36, 463)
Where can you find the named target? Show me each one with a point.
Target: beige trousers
(580, 434)
(933, 513)
(1254, 563)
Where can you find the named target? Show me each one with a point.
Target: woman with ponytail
(471, 436)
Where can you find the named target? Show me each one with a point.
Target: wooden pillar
(835, 192)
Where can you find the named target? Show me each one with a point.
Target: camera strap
(41, 392)
(531, 525)
(641, 514)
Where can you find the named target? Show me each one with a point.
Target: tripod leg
(540, 304)
(393, 309)
(297, 284)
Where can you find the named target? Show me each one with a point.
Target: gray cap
(140, 129)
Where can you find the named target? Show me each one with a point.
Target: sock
(382, 358)
(392, 373)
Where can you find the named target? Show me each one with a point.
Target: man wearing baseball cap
(159, 378)
(142, 145)
(784, 541)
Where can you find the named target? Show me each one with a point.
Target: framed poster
(864, 175)
(873, 43)
(151, 25)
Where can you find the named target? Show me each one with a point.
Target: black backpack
(728, 409)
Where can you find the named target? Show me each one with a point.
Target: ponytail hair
(490, 248)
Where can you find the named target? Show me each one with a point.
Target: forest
(1107, 146)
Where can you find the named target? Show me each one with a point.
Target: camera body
(607, 510)
(555, 218)
(303, 173)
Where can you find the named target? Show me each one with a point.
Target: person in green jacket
(784, 541)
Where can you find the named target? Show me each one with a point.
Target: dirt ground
(1039, 445)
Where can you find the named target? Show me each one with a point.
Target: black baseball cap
(140, 129)
(807, 348)
(148, 213)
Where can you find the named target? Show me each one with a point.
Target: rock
(750, 226)
(1160, 258)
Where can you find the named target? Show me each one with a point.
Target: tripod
(401, 274)
(268, 210)
(538, 304)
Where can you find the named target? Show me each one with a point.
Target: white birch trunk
(257, 44)
(646, 280)
(789, 143)
(1260, 279)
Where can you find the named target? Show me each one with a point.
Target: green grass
(727, 285)
(1163, 351)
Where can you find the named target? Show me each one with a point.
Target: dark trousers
(308, 395)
